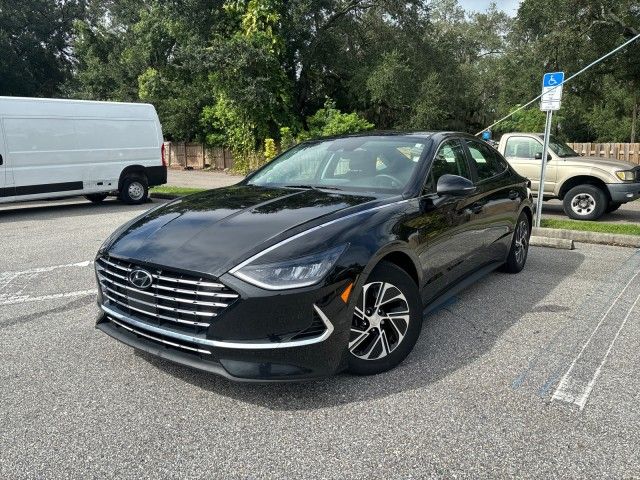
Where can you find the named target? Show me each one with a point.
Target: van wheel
(96, 197)
(135, 189)
(386, 321)
(585, 202)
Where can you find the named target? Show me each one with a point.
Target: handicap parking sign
(551, 91)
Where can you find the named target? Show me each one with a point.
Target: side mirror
(538, 156)
(454, 185)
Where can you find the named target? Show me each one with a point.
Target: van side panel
(55, 153)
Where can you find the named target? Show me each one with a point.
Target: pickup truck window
(488, 162)
(522, 147)
(561, 149)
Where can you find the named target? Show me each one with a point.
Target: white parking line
(569, 390)
(26, 298)
(44, 269)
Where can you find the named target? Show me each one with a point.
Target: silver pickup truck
(587, 186)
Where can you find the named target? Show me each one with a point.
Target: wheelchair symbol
(552, 81)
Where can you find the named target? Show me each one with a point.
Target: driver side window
(449, 160)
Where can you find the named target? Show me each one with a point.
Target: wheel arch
(131, 169)
(529, 213)
(399, 255)
(583, 180)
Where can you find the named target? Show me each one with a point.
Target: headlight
(626, 175)
(296, 273)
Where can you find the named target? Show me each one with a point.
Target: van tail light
(164, 161)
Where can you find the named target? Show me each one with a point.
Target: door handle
(513, 194)
(1, 160)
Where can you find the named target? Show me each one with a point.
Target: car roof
(395, 133)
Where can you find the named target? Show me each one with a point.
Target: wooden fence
(629, 152)
(196, 156)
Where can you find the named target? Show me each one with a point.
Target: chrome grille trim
(160, 316)
(219, 343)
(194, 305)
(166, 342)
(154, 305)
(164, 297)
(169, 279)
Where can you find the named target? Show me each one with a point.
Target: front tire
(585, 202)
(135, 189)
(386, 321)
(519, 250)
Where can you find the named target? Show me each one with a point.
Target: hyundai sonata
(324, 260)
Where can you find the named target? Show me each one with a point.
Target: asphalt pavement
(531, 376)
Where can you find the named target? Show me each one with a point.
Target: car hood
(213, 231)
(599, 162)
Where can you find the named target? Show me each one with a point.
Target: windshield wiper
(312, 187)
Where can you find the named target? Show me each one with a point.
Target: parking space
(627, 213)
(524, 375)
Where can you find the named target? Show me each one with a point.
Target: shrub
(270, 150)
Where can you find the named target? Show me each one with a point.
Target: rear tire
(386, 321)
(585, 202)
(96, 197)
(612, 207)
(519, 251)
(135, 189)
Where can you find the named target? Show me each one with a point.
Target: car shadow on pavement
(452, 338)
(67, 208)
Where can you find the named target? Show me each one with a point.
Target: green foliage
(234, 72)
(270, 150)
(286, 138)
(527, 120)
(329, 121)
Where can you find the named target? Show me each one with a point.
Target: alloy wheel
(380, 321)
(522, 240)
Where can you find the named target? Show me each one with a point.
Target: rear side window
(488, 162)
(522, 147)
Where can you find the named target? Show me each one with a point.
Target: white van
(58, 148)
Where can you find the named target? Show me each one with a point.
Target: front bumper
(252, 340)
(624, 192)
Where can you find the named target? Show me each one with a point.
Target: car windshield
(561, 149)
(373, 163)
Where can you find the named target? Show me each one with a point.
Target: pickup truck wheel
(613, 206)
(585, 202)
(135, 189)
(96, 197)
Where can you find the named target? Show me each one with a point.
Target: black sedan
(326, 259)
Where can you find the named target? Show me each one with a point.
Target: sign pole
(545, 149)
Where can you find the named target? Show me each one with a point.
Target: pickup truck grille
(171, 298)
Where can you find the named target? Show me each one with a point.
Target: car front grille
(172, 299)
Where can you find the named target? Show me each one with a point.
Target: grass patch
(170, 190)
(600, 227)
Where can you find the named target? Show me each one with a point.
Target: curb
(563, 243)
(589, 237)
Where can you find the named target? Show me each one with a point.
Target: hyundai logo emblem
(140, 278)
